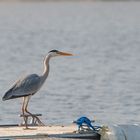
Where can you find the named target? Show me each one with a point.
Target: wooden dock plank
(15, 131)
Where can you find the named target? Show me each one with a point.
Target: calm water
(101, 80)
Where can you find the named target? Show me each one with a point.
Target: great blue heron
(29, 85)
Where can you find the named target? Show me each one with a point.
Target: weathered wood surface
(37, 131)
(55, 131)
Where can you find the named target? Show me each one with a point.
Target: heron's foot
(31, 120)
(37, 120)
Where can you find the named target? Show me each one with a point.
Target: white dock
(19, 132)
(35, 131)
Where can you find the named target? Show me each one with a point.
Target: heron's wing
(23, 87)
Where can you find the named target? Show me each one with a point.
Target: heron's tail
(8, 94)
(6, 97)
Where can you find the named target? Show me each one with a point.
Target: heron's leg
(26, 110)
(23, 111)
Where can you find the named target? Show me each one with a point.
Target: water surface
(101, 80)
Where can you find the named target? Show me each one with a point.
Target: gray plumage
(29, 85)
(26, 86)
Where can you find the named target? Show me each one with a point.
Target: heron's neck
(46, 67)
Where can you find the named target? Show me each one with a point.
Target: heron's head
(54, 53)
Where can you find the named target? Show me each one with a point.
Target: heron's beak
(64, 53)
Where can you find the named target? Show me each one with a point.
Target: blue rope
(84, 120)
